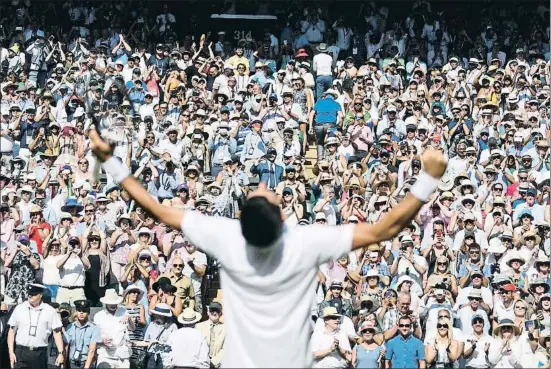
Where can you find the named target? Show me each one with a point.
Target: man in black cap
(31, 325)
(82, 337)
(215, 333)
(335, 299)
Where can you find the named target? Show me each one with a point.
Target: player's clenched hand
(100, 148)
(263, 191)
(434, 163)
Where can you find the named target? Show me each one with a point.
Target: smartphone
(528, 324)
(285, 42)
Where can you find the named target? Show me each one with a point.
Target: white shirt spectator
(313, 30)
(465, 316)
(113, 328)
(479, 358)
(479, 236)
(196, 353)
(462, 297)
(322, 64)
(72, 273)
(25, 316)
(322, 341)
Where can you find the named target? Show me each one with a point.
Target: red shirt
(35, 235)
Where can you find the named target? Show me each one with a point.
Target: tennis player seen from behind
(267, 271)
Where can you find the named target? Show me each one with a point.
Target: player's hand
(101, 149)
(262, 191)
(13, 359)
(434, 163)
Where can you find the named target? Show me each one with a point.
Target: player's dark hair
(261, 223)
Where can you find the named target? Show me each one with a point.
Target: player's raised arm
(104, 153)
(434, 165)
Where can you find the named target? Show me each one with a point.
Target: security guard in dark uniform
(81, 338)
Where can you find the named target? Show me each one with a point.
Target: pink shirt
(360, 136)
(6, 232)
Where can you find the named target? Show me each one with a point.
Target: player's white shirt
(267, 293)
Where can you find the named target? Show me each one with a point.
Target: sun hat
(189, 317)
(72, 203)
(133, 287)
(368, 325)
(474, 292)
(111, 297)
(506, 323)
(515, 256)
(330, 311)
(123, 217)
(162, 309)
(539, 282)
(144, 230)
(531, 233)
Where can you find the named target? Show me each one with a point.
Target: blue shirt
(326, 111)
(79, 339)
(405, 352)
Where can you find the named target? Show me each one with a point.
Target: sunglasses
(94, 239)
(474, 299)
(178, 265)
(145, 259)
(441, 326)
(83, 163)
(91, 211)
(405, 325)
(478, 321)
(442, 263)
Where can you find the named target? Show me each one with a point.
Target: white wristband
(117, 170)
(424, 186)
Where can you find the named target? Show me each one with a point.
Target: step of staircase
(310, 160)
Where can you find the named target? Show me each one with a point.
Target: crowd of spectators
(332, 112)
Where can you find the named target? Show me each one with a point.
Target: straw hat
(330, 311)
(531, 234)
(506, 323)
(189, 317)
(111, 297)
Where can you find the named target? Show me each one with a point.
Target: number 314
(241, 35)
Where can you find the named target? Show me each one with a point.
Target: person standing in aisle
(31, 325)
